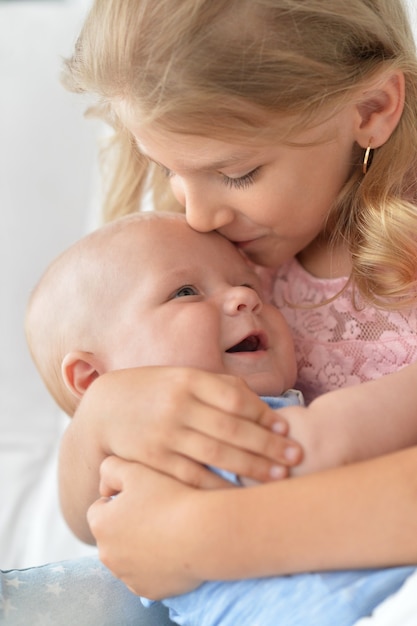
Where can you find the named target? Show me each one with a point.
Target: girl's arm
(362, 515)
(356, 423)
(173, 420)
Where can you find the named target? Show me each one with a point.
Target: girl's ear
(379, 109)
(79, 370)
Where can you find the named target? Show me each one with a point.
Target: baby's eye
(186, 290)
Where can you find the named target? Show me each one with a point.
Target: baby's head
(149, 290)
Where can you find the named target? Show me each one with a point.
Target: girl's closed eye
(241, 182)
(165, 170)
(252, 286)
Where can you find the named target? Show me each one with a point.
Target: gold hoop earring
(367, 158)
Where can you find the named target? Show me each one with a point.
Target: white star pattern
(98, 571)
(44, 619)
(54, 588)
(95, 600)
(80, 592)
(6, 606)
(14, 582)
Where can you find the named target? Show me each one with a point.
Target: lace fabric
(337, 345)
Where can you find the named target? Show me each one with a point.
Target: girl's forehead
(237, 123)
(193, 152)
(196, 149)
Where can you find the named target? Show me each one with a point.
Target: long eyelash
(243, 181)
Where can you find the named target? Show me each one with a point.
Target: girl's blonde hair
(225, 68)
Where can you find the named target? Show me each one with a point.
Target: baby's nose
(242, 298)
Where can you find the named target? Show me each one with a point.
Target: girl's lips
(243, 244)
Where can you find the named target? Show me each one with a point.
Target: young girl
(289, 127)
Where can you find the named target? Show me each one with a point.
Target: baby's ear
(79, 370)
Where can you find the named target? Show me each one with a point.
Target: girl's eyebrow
(212, 165)
(230, 160)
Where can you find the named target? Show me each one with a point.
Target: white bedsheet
(399, 609)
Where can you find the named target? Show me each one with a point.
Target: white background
(47, 170)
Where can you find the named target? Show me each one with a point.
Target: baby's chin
(267, 384)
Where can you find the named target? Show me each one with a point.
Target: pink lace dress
(337, 345)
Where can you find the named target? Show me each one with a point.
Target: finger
(114, 472)
(94, 513)
(227, 393)
(273, 420)
(194, 474)
(254, 450)
(232, 395)
(224, 455)
(99, 516)
(112, 476)
(216, 427)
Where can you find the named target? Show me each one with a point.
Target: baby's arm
(174, 420)
(356, 423)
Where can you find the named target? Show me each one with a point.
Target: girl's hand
(177, 421)
(145, 518)
(163, 538)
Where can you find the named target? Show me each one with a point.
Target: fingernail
(277, 471)
(279, 428)
(291, 454)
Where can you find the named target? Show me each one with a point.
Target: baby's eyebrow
(179, 274)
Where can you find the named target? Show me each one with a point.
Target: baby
(149, 290)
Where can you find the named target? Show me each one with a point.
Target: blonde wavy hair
(223, 68)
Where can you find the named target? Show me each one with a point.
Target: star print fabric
(81, 592)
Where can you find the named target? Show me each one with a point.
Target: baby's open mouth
(251, 343)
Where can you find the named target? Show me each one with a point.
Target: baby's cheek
(267, 277)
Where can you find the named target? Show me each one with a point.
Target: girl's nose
(205, 218)
(242, 299)
(203, 208)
